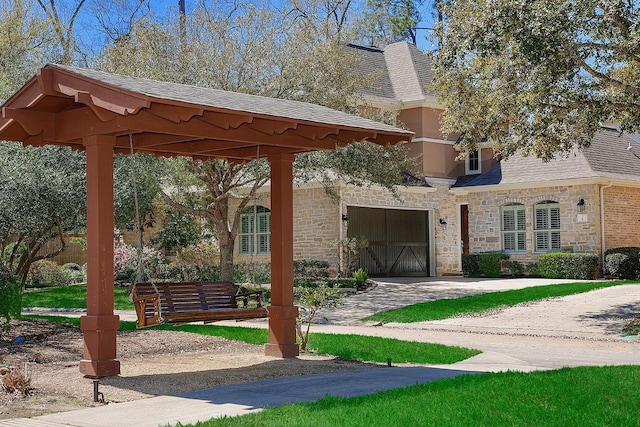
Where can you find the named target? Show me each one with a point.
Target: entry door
(464, 228)
(398, 240)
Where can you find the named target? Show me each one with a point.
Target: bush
(622, 262)
(48, 273)
(125, 262)
(303, 268)
(550, 265)
(568, 265)
(344, 283)
(11, 297)
(471, 265)
(252, 272)
(483, 265)
(361, 277)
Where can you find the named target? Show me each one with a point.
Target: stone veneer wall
(622, 219)
(580, 231)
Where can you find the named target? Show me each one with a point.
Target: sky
(162, 7)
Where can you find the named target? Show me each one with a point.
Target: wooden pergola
(99, 113)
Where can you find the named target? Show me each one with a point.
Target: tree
(539, 76)
(226, 45)
(42, 198)
(389, 21)
(63, 19)
(23, 35)
(136, 188)
(310, 300)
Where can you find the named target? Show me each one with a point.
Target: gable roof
(404, 72)
(61, 105)
(606, 158)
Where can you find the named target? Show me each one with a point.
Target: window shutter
(521, 242)
(508, 220)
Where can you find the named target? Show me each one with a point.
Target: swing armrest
(140, 303)
(244, 297)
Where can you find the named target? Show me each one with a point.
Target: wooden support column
(282, 312)
(100, 324)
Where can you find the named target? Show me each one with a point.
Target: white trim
(448, 181)
(434, 140)
(467, 167)
(392, 103)
(530, 185)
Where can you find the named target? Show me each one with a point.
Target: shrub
(483, 265)
(11, 297)
(582, 266)
(310, 301)
(252, 272)
(471, 265)
(361, 277)
(303, 268)
(345, 282)
(125, 262)
(15, 382)
(550, 265)
(568, 265)
(490, 264)
(48, 273)
(622, 262)
(516, 268)
(349, 249)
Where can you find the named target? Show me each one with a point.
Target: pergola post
(100, 324)
(282, 312)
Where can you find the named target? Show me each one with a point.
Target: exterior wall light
(581, 205)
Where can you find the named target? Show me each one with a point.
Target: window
(255, 231)
(546, 232)
(473, 162)
(513, 228)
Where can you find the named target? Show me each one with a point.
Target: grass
(74, 296)
(347, 347)
(445, 308)
(588, 396)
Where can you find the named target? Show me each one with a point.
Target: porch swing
(185, 302)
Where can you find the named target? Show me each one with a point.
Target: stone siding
(579, 230)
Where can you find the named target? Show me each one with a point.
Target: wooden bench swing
(186, 302)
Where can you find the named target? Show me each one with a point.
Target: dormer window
(473, 163)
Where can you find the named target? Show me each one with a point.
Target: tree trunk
(226, 256)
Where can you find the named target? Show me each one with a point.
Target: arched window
(546, 230)
(254, 234)
(512, 227)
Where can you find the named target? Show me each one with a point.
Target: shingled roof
(61, 105)
(607, 157)
(404, 72)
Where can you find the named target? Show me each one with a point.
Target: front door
(464, 229)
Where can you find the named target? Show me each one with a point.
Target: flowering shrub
(125, 262)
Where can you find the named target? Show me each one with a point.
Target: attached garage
(399, 241)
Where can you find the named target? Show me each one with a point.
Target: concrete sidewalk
(579, 330)
(240, 399)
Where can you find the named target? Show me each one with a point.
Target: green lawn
(347, 347)
(445, 308)
(74, 296)
(588, 396)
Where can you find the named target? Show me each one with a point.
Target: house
(584, 201)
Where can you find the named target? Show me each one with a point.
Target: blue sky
(164, 6)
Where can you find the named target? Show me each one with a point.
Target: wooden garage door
(398, 240)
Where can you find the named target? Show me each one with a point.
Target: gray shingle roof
(232, 101)
(405, 72)
(606, 157)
